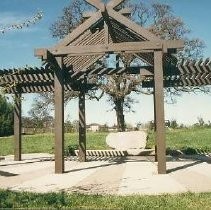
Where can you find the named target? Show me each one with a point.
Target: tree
(40, 114)
(160, 20)
(6, 117)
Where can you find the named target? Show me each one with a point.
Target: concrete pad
(142, 178)
(113, 175)
(196, 177)
(98, 184)
(60, 182)
(127, 140)
(194, 182)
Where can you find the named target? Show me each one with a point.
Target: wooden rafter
(114, 3)
(97, 4)
(189, 73)
(101, 6)
(147, 35)
(123, 11)
(79, 30)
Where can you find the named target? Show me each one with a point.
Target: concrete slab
(142, 178)
(113, 175)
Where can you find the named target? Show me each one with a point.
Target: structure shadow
(7, 174)
(117, 162)
(184, 166)
(32, 160)
(201, 157)
(111, 161)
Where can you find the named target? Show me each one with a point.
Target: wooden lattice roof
(106, 31)
(108, 28)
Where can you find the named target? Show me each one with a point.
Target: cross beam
(97, 4)
(124, 11)
(126, 47)
(101, 6)
(114, 3)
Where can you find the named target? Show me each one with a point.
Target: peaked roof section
(116, 22)
(103, 28)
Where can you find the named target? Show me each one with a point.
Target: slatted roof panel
(96, 35)
(124, 34)
(93, 36)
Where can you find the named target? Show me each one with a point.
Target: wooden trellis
(74, 61)
(186, 73)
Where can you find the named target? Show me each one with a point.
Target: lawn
(44, 143)
(16, 200)
(192, 139)
(189, 140)
(182, 139)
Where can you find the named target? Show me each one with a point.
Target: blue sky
(17, 50)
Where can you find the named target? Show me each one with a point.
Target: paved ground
(121, 176)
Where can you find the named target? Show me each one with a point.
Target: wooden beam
(113, 47)
(114, 3)
(59, 118)
(17, 127)
(41, 53)
(79, 30)
(145, 34)
(123, 11)
(172, 45)
(108, 28)
(82, 127)
(88, 14)
(159, 112)
(97, 4)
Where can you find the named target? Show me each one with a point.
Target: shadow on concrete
(31, 160)
(111, 161)
(7, 174)
(199, 157)
(184, 166)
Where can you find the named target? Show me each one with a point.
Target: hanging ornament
(26, 23)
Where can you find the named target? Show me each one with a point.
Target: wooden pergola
(71, 64)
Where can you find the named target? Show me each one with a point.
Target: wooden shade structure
(72, 63)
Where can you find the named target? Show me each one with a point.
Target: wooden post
(82, 127)
(59, 118)
(156, 157)
(159, 110)
(17, 127)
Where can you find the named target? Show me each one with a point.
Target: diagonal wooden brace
(101, 6)
(114, 3)
(97, 4)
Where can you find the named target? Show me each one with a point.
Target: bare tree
(159, 19)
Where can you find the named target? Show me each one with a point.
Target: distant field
(183, 139)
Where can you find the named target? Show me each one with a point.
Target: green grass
(199, 138)
(188, 140)
(17, 200)
(44, 143)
